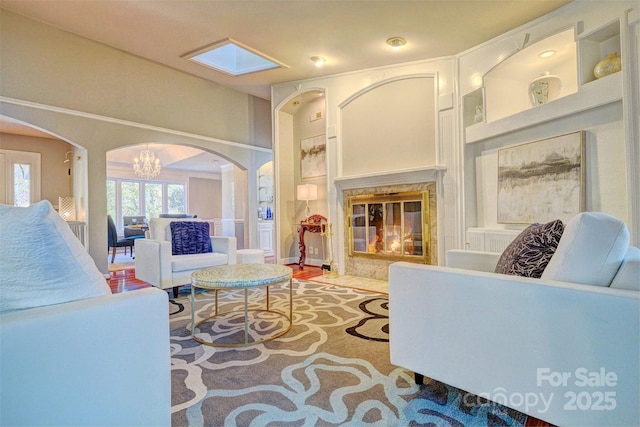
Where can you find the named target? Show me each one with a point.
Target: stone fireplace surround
(419, 179)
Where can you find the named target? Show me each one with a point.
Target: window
(19, 177)
(153, 200)
(21, 184)
(234, 58)
(175, 199)
(143, 198)
(130, 198)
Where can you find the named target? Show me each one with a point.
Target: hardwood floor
(125, 280)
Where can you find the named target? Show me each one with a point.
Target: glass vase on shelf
(611, 64)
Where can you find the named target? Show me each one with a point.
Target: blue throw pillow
(190, 237)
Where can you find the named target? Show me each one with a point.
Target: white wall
(390, 127)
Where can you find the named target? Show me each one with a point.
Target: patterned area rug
(331, 368)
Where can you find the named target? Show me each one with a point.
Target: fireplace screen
(390, 225)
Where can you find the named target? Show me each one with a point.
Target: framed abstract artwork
(541, 181)
(313, 157)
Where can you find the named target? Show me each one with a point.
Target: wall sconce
(307, 192)
(67, 208)
(67, 160)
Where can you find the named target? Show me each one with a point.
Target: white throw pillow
(628, 276)
(41, 260)
(590, 251)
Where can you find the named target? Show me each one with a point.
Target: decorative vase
(609, 65)
(544, 89)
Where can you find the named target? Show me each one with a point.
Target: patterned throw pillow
(190, 237)
(530, 252)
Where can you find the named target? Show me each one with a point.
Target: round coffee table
(241, 276)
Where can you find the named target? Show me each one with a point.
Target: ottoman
(250, 256)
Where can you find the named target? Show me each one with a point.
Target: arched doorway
(191, 181)
(299, 119)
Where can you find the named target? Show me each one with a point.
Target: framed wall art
(541, 181)
(313, 157)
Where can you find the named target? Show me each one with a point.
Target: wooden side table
(313, 224)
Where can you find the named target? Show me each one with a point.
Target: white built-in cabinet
(265, 237)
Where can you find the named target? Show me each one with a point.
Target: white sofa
(558, 350)
(71, 353)
(98, 361)
(155, 263)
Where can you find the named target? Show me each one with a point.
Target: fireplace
(390, 226)
(388, 222)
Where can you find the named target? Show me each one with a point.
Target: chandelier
(147, 165)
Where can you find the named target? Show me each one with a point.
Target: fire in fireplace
(390, 226)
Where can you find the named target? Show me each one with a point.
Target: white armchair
(156, 264)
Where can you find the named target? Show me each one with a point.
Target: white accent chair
(156, 264)
(512, 339)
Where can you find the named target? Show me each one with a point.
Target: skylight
(234, 58)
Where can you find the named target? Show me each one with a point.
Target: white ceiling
(350, 34)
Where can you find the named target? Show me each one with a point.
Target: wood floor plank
(125, 280)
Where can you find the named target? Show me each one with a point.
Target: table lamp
(67, 208)
(307, 192)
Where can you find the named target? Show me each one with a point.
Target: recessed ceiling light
(547, 53)
(234, 58)
(396, 42)
(318, 60)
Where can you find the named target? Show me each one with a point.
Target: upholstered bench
(250, 256)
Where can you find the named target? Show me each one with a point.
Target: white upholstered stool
(250, 256)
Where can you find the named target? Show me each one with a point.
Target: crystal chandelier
(147, 165)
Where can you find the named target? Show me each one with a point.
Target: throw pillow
(531, 251)
(190, 237)
(41, 260)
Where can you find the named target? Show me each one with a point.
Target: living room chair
(164, 263)
(115, 242)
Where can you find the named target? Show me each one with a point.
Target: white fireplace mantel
(397, 177)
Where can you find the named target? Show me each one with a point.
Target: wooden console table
(313, 224)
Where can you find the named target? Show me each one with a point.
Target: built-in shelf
(591, 95)
(505, 112)
(265, 189)
(594, 47)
